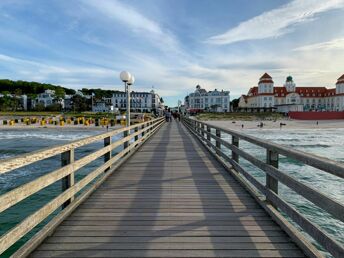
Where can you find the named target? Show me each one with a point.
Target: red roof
(281, 91)
(340, 79)
(266, 76)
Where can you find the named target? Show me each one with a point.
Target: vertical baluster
(203, 128)
(208, 134)
(67, 158)
(218, 144)
(107, 156)
(271, 182)
(143, 133)
(126, 144)
(235, 142)
(136, 130)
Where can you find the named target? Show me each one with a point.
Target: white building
(289, 97)
(215, 101)
(46, 98)
(139, 102)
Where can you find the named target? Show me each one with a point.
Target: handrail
(141, 133)
(274, 175)
(10, 164)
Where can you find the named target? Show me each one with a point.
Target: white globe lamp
(131, 80)
(125, 76)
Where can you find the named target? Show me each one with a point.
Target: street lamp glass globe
(125, 76)
(131, 80)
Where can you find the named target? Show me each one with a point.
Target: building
(213, 101)
(290, 97)
(139, 102)
(46, 98)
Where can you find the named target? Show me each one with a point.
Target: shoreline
(289, 124)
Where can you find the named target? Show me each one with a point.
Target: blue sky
(172, 45)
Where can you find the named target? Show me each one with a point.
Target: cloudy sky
(172, 45)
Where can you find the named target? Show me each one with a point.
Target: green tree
(60, 93)
(80, 103)
(235, 103)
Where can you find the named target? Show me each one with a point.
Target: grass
(239, 116)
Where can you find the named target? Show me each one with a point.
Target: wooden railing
(267, 195)
(67, 199)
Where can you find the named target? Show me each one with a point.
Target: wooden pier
(167, 194)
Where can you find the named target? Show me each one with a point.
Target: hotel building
(139, 102)
(290, 97)
(202, 100)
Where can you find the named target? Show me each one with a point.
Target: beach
(288, 124)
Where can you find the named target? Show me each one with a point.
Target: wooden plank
(169, 239)
(167, 246)
(170, 253)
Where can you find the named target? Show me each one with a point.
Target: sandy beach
(289, 124)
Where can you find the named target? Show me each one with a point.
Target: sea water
(322, 142)
(18, 142)
(327, 143)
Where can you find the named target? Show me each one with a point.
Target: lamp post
(127, 79)
(129, 83)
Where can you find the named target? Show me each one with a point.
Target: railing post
(218, 144)
(208, 135)
(67, 158)
(271, 182)
(143, 133)
(203, 128)
(235, 142)
(125, 134)
(136, 130)
(107, 156)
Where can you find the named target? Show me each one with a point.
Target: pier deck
(172, 198)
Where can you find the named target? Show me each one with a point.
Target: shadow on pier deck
(171, 198)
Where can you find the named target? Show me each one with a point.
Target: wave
(310, 145)
(58, 136)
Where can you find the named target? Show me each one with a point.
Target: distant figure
(281, 124)
(178, 116)
(242, 126)
(168, 115)
(107, 127)
(317, 123)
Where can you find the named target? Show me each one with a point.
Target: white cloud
(276, 22)
(136, 23)
(335, 44)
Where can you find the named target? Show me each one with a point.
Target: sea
(322, 142)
